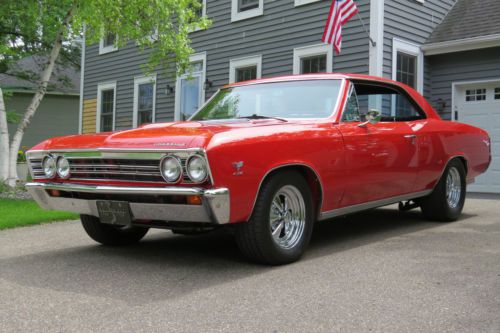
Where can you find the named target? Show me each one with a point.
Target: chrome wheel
(453, 188)
(287, 217)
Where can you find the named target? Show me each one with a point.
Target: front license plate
(114, 212)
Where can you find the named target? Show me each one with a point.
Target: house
(449, 50)
(58, 112)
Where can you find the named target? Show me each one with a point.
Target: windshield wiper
(258, 116)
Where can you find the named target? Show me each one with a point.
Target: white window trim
(138, 81)
(310, 51)
(100, 88)
(202, 56)
(234, 64)
(106, 49)
(399, 45)
(238, 16)
(304, 2)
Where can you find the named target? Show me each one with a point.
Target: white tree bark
(35, 101)
(4, 141)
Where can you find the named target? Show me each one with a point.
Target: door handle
(411, 137)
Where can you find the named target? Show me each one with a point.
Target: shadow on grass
(165, 266)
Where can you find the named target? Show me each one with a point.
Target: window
(497, 93)
(351, 110)
(408, 64)
(106, 100)
(189, 88)
(144, 100)
(395, 105)
(406, 69)
(315, 64)
(313, 59)
(475, 95)
(304, 2)
(243, 69)
(294, 99)
(244, 9)
(107, 43)
(201, 11)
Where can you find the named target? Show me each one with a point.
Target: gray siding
(411, 21)
(282, 28)
(57, 115)
(461, 66)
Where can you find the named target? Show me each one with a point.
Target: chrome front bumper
(214, 207)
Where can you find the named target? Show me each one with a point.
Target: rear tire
(282, 221)
(110, 235)
(446, 202)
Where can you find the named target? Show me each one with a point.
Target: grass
(17, 213)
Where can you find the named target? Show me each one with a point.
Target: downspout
(82, 74)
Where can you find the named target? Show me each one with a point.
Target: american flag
(341, 11)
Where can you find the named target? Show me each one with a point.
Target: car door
(379, 158)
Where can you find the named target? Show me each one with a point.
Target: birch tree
(51, 28)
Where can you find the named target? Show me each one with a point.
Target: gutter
(459, 45)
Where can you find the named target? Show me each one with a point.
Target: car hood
(173, 135)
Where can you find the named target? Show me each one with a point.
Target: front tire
(446, 202)
(282, 221)
(110, 235)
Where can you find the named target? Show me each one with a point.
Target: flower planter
(22, 171)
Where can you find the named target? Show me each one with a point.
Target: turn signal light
(193, 200)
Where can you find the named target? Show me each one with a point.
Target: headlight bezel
(59, 173)
(178, 163)
(205, 166)
(53, 174)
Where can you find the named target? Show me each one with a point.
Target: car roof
(318, 76)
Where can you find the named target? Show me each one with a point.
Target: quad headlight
(49, 167)
(171, 169)
(197, 169)
(63, 167)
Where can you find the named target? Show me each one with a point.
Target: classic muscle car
(267, 158)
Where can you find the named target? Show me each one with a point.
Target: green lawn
(16, 213)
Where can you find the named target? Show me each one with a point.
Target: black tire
(255, 238)
(110, 235)
(436, 206)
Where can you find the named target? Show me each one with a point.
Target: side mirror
(372, 117)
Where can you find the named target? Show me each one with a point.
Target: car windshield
(293, 99)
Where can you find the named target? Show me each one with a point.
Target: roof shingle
(467, 19)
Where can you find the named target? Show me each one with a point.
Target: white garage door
(479, 105)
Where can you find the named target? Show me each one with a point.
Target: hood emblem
(237, 167)
(175, 144)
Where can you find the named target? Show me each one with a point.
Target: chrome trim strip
(215, 206)
(371, 204)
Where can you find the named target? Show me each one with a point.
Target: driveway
(381, 270)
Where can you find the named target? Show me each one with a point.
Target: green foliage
(15, 213)
(160, 27)
(3, 187)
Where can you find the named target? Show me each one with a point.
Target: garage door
(479, 105)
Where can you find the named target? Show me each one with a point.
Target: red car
(267, 158)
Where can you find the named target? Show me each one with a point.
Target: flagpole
(367, 33)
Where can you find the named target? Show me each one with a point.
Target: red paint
(353, 164)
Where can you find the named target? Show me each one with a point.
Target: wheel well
(464, 162)
(309, 175)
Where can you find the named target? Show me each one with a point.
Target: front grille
(139, 170)
(113, 165)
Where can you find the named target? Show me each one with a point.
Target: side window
(351, 110)
(393, 104)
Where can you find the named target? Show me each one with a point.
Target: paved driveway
(377, 271)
